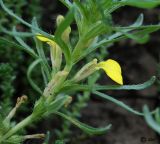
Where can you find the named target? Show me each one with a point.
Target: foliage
(63, 75)
(154, 120)
(11, 57)
(154, 123)
(7, 90)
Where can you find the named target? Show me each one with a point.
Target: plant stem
(31, 118)
(18, 127)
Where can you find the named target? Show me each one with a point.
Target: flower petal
(113, 70)
(44, 39)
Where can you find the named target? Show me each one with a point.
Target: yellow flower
(55, 51)
(44, 39)
(112, 69)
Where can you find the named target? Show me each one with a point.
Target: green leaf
(141, 3)
(21, 41)
(29, 72)
(80, 16)
(44, 108)
(139, 21)
(19, 34)
(60, 101)
(88, 129)
(15, 139)
(12, 44)
(137, 30)
(142, 86)
(136, 24)
(96, 30)
(59, 31)
(150, 121)
(139, 39)
(157, 115)
(70, 87)
(45, 68)
(11, 13)
(67, 3)
(117, 102)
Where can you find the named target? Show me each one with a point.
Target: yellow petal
(113, 70)
(44, 39)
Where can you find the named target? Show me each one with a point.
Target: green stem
(18, 127)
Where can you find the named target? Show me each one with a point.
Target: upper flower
(44, 39)
(55, 51)
(112, 69)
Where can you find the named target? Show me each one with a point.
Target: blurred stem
(18, 127)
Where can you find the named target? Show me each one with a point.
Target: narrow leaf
(141, 3)
(88, 129)
(19, 34)
(157, 115)
(58, 103)
(29, 72)
(142, 86)
(12, 44)
(139, 39)
(45, 66)
(70, 87)
(139, 20)
(150, 121)
(11, 13)
(117, 102)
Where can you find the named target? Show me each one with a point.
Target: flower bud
(67, 31)
(86, 71)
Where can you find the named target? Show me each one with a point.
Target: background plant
(10, 57)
